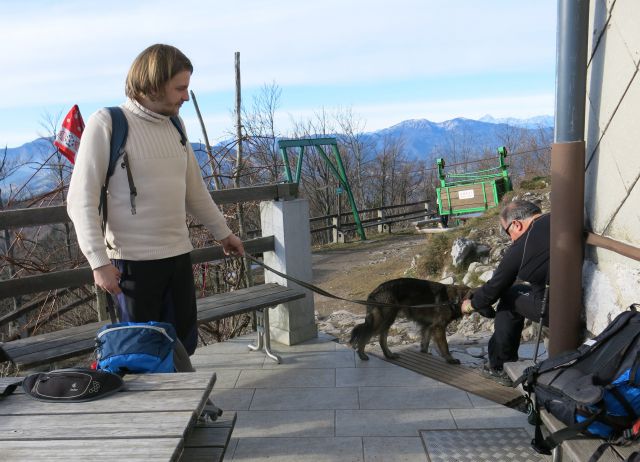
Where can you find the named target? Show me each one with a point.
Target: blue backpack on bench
(136, 348)
(594, 390)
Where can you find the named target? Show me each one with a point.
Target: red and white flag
(68, 139)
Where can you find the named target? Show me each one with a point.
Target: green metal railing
(338, 170)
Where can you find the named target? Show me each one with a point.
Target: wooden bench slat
(212, 309)
(59, 353)
(247, 294)
(52, 339)
(583, 449)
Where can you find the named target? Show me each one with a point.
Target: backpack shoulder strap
(119, 133)
(176, 123)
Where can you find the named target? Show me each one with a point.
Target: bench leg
(556, 455)
(264, 338)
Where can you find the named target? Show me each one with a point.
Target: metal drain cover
(480, 445)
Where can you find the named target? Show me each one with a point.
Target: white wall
(612, 190)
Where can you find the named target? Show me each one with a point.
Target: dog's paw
(363, 356)
(392, 356)
(453, 361)
(425, 351)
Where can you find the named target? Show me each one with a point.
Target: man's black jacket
(527, 259)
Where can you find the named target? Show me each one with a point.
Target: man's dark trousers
(520, 301)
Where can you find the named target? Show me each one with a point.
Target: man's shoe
(497, 375)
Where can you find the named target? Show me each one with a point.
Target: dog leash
(324, 293)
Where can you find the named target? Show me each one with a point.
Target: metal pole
(567, 177)
(571, 69)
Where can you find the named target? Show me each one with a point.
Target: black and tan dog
(433, 320)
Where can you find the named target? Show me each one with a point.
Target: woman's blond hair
(153, 68)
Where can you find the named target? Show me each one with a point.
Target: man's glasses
(506, 230)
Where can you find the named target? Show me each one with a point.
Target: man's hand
(466, 307)
(107, 277)
(232, 245)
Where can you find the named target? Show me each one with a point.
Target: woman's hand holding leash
(232, 245)
(107, 277)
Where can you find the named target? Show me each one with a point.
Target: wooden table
(148, 420)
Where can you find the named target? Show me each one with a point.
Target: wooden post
(214, 173)
(17, 301)
(101, 303)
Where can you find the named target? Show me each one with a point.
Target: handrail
(385, 207)
(618, 247)
(38, 216)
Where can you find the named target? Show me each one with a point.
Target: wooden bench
(42, 349)
(582, 450)
(63, 344)
(208, 441)
(578, 450)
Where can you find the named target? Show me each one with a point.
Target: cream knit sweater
(169, 185)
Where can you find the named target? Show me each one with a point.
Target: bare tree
(260, 127)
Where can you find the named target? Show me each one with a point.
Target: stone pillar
(288, 222)
(336, 233)
(385, 227)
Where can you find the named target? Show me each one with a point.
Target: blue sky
(385, 60)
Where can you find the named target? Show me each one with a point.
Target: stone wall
(612, 194)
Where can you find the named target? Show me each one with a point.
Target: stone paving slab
(217, 361)
(391, 422)
(225, 378)
(284, 424)
(314, 360)
(305, 399)
(328, 449)
(435, 397)
(233, 399)
(286, 378)
(380, 376)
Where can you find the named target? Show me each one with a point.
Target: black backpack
(594, 390)
(119, 133)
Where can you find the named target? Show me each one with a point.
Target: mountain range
(421, 139)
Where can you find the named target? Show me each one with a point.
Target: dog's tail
(361, 334)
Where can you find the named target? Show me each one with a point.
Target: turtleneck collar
(139, 110)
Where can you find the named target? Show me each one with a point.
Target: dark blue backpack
(119, 133)
(136, 348)
(594, 390)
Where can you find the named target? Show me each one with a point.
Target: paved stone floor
(323, 404)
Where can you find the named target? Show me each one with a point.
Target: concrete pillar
(288, 223)
(385, 227)
(337, 235)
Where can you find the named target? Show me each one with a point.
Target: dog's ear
(456, 292)
(463, 292)
(468, 292)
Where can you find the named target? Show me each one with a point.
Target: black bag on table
(69, 385)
